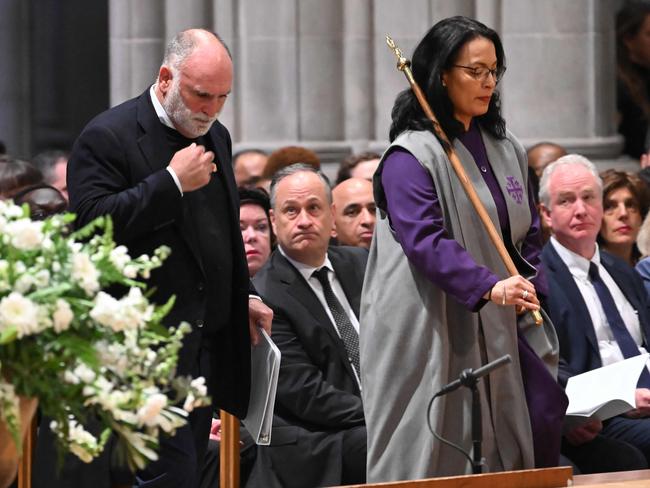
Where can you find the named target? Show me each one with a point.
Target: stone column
(223, 22)
(187, 14)
(15, 127)
(357, 91)
(268, 73)
(560, 84)
(137, 39)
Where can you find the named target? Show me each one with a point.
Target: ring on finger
(524, 295)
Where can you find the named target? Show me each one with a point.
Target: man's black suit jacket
(318, 395)
(117, 168)
(579, 351)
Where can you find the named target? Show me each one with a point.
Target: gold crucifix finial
(402, 62)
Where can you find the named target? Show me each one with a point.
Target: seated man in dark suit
(314, 293)
(596, 302)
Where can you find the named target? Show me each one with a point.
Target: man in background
(315, 294)
(354, 212)
(53, 164)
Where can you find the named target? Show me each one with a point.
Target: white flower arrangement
(82, 350)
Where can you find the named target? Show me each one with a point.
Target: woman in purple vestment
(458, 65)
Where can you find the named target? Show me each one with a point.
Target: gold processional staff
(404, 65)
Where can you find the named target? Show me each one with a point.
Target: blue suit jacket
(567, 309)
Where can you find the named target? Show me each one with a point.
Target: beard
(189, 123)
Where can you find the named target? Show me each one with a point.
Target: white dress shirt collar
(578, 265)
(305, 270)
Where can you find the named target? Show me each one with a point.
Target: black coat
(117, 167)
(318, 396)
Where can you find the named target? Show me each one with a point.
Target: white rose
(23, 284)
(199, 385)
(62, 315)
(107, 311)
(70, 377)
(20, 312)
(13, 211)
(85, 273)
(130, 271)
(188, 405)
(120, 257)
(82, 443)
(148, 413)
(42, 278)
(25, 234)
(84, 373)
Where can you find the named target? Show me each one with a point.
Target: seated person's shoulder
(356, 254)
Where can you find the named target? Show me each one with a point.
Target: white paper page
(589, 391)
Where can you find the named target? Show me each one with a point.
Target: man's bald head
(542, 154)
(184, 44)
(194, 81)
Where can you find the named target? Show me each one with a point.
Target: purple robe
(416, 217)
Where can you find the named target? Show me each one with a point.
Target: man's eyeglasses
(481, 72)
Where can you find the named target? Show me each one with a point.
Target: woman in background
(625, 204)
(255, 227)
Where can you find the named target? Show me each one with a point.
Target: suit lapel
(574, 297)
(156, 155)
(299, 289)
(224, 168)
(151, 139)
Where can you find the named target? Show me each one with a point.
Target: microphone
(469, 376)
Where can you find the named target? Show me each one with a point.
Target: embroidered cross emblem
(514, 188)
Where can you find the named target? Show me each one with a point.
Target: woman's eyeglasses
(481, 72)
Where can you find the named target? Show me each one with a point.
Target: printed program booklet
(265, 366)
(604, 392)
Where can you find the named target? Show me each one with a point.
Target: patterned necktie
(623, 338)
(346, 329)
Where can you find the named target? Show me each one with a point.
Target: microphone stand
(469, 378)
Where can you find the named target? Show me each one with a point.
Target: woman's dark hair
(614, 180)
(629, 21)
(436, 53)
(16, 174)
(259, 197)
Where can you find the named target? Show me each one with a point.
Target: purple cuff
(415, 215)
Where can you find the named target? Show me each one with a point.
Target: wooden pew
(529, 478)
(622, 478)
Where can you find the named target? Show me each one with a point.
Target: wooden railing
(529, 478)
